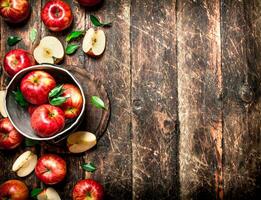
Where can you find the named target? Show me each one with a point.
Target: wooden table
(184, 82)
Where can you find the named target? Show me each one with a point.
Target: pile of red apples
(46, 120)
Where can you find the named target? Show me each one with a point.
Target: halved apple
(2, 100)
(48, 194)
(25, 164)
(50, 50)
(81, 141)
(94, 42)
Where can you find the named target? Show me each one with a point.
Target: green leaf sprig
(74, 35)
(96, 22)
(97, 102)
(71, 48)
(12, 40)
(55, 97)
(89, 167)
(20, 98)
(33, 35)
(35, 192)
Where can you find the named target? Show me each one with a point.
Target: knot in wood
(246, 93)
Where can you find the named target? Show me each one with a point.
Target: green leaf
(20, 98)
(57, 101)
(74, 35)
(33, 35)
(97, 102)
(96, 22)
(57, 91)
(71, 48)
(89, 167)
(30, 143)
(12, 40)
(36, 191)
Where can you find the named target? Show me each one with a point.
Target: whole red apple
(73, 105)
(14, 11)
(88, 189)
(89, 3)
(36, 85)
(14, 190)
(47, 120)
(50, 169)
(10, 138)
(16, 60)
(57, 15)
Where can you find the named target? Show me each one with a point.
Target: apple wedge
(81, 141)
(94, 42)
(25, 164)
(2, 103)
(50, 50)
(48, 194)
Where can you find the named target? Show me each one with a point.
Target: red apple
(10, 138)
(89, 3)
(73, 105)
(88, 189)
(50, 169)
(16, 60)
(31, 109)
(36, 85)
(57, 15)
(14, 11)
(47, 120)
(14, 190)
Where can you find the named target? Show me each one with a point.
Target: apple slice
(25, 164)
(48, 194)
(2, 100)
(94, 42)
(50, 50)
(81, 141)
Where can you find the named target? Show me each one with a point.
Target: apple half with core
(50, 169)
(57, 15)
(48, 194)
(14, 11)
(14, 190)
(89, 3)
(50, 50)
(10, 138)
(47, 120)
(16, 60)
(88, 189)
(36, 85)
(2, 103)
(94, 42)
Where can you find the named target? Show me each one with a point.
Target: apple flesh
(16, 60)
(50, 169)
(48, 194)
(88, 189)
(10, 138)
(36, 85)
(47, 120)
(57, 15)
(2, 103)
(14, 190)
(14, 11)
(73, 105)
(89, 3)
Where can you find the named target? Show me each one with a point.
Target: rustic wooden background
(183, 77)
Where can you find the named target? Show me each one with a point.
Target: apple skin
(31, 109)
(73, 105)
(10, 138)
(16, 60)
(89, 3)
(88, 188)
(47, 120)
(36, 85)
(50, 169)
(14, 11)
(57, 15)
(14, 190)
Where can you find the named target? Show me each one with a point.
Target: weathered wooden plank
(241, 69)
(113, 153)
(199, 91)
(154, 100)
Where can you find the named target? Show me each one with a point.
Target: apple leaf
(12, 40)
(20, 98)
(30, 143)
(96, 22)
(57, 91)
(36, 191)
(33, 35)
(71, 48)
(97, 102)
(89, 167)
(74, 35)
(57, 101)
